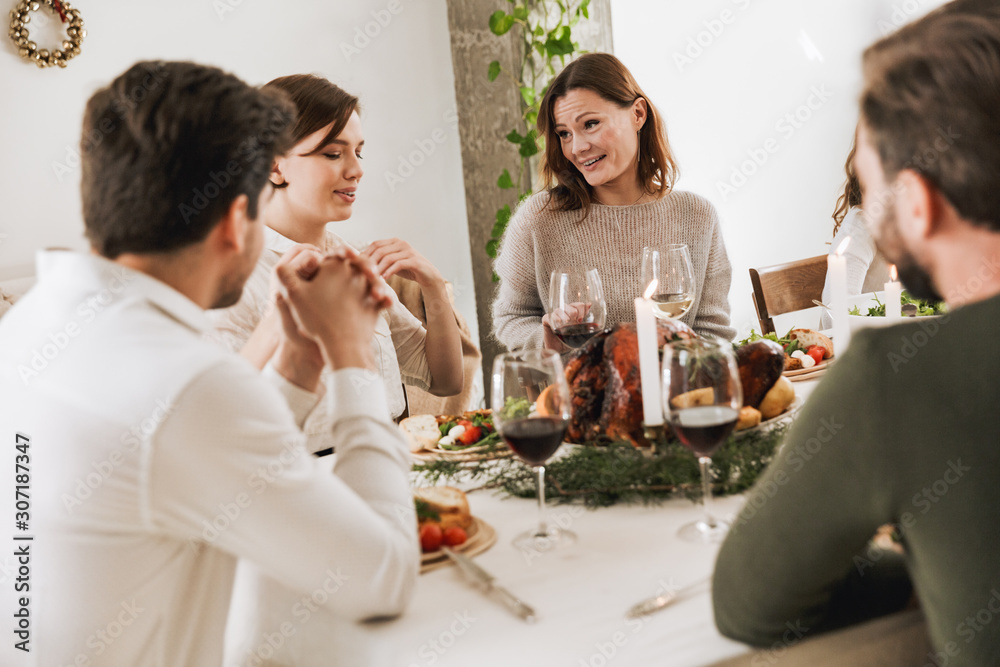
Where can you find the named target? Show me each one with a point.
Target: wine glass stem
(543, 527)
(706, 489)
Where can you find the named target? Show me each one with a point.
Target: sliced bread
(421, 432)
(449, 503)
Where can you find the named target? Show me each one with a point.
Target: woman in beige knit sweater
(610, 174)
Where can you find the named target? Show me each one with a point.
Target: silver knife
(654, 604)
(488, 582)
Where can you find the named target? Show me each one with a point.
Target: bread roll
(749, 417)
(793, 364)
(450, 504)
(421, 432)
(694, 398)
(777, 399)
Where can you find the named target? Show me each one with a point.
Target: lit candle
(649, 358)
(893, 292)
(837, 271)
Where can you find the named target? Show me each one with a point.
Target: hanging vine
(545, 28)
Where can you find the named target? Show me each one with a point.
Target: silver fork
(655, 604)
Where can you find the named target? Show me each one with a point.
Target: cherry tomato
(816, 352)
(431, 537)
(471, 435)
(454, 536)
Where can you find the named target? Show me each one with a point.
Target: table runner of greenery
(603, 474)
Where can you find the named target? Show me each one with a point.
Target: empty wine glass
(671, 267)
(702, 395)
(577, 310)
(531, 410)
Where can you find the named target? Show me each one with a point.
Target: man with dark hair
(156, 457)
(903, 429)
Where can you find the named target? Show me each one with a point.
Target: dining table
(623, 554)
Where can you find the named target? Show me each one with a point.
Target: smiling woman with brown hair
(605, 76)
(317, 182)
(609, 176)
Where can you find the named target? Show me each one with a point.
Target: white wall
(403, 75)
(726, 73)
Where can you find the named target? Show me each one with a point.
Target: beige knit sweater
(540, 240)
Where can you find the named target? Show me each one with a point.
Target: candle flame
(843, 246)
(651, 289)
(893, 275)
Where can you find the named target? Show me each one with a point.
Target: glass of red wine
(531, 410)
(577, 310)
(702, 396)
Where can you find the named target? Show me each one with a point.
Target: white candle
(649, 358)
(837, 272)
(893, 292)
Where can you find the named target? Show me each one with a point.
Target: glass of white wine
(671, 267)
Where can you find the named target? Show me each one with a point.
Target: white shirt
(157, 458)
(867, 270)
(398, 343)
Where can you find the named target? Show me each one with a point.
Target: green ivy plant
(545, 28)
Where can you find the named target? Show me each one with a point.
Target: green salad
(516, 408)
(787, 343)
(477, 429)
(922, 307)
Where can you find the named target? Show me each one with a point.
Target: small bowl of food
(868, 310)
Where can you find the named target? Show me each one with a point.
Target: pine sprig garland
(599, 476)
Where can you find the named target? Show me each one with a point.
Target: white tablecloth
(623, 555)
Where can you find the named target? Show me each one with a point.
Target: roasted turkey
(761, 364)
(605, 386)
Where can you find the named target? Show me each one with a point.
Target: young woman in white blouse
(315, 183)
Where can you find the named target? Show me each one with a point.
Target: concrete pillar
(487, 111)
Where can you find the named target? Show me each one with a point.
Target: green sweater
(904, 429)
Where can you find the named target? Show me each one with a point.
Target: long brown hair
(852, 192)
(318, 103)
(608, 77)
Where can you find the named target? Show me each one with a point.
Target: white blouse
(867, 270)
(398, 344)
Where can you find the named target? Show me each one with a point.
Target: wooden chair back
(785, 288)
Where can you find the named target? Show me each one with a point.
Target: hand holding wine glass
(702, 396)
(577, 310)
(671, 267)
(531, 410)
